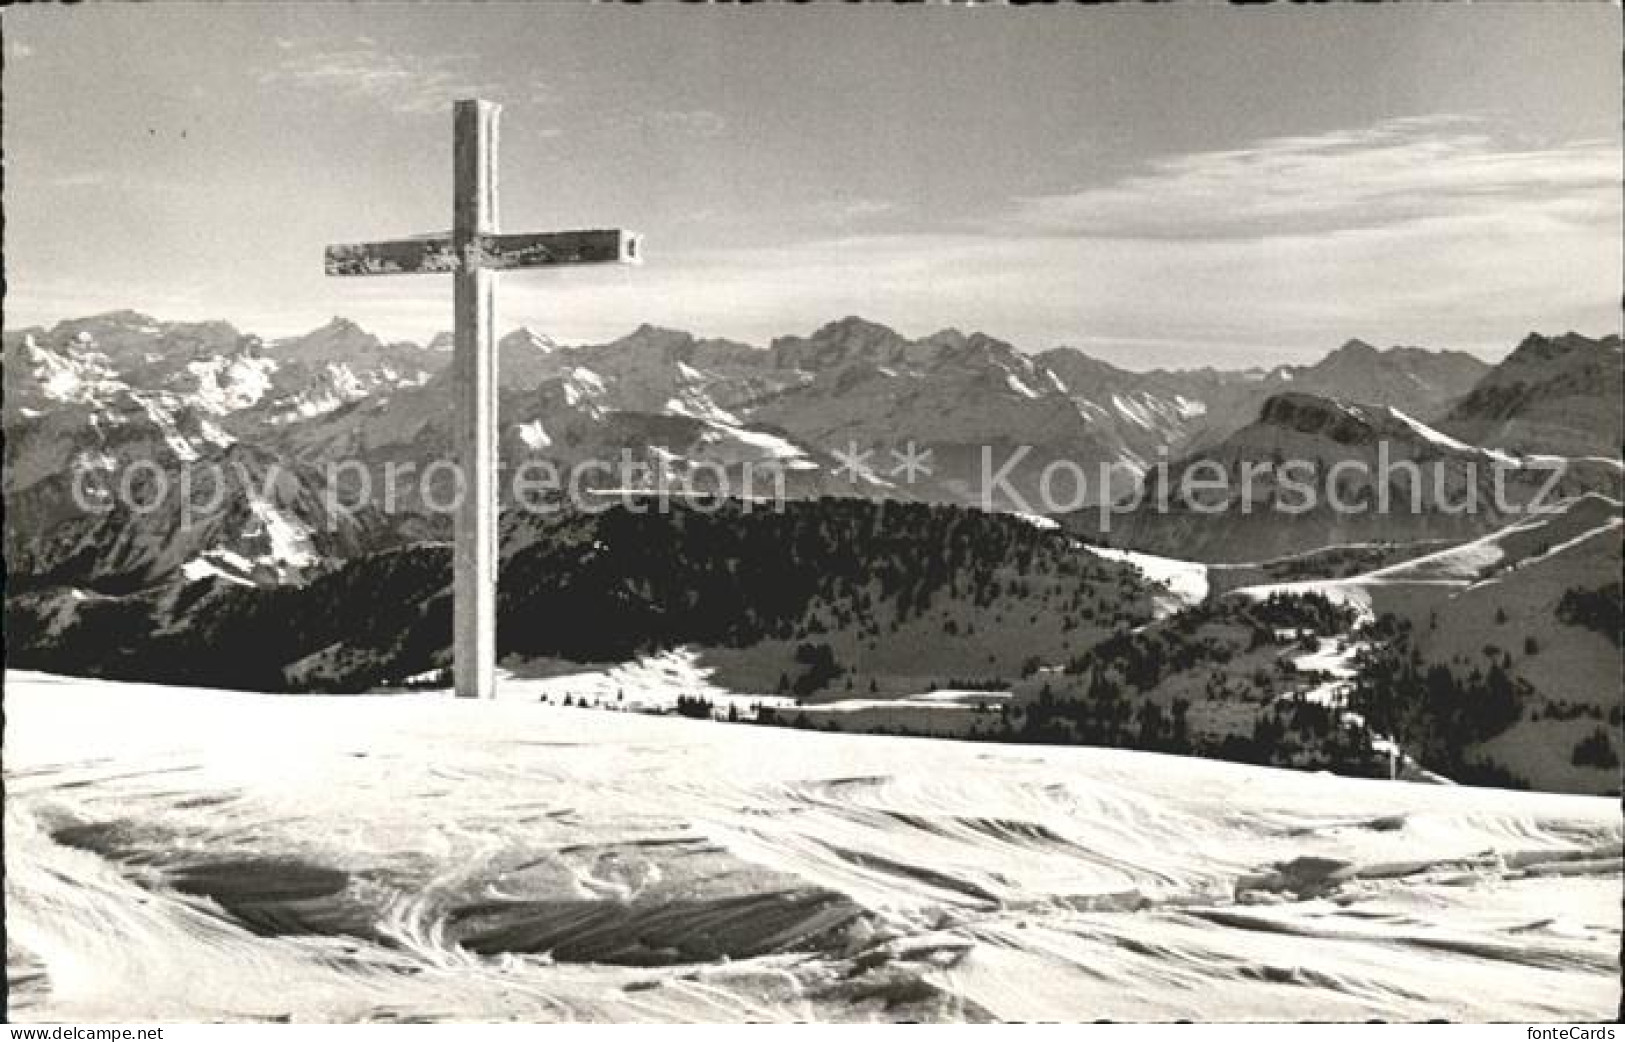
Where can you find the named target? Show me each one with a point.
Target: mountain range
(873, 581)
(87, 398)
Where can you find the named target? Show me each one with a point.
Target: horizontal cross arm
(431, 255)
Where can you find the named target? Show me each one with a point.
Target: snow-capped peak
(527, 339)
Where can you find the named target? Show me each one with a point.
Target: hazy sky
(1188, 185)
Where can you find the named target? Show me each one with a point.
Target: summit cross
(471, 254)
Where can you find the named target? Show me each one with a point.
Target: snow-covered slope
(975, 403)
(1363, 474)
(185, 854)
(1455, 569)
(1499, 599)
(1185, 582)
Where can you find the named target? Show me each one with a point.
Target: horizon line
(1086, 351)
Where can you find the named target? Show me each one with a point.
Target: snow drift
(187, 854)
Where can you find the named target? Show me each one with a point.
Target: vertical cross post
(473, 254)
(474, 581)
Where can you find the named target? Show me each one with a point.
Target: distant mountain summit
(848, 341)
(1563, 394)
(526, 339)
(1319, 471)
(1163, 411)
(1414, 379)
(967, 399)
(337, 363)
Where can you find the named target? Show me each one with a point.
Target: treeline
(1434, 712)
(1595, 750)
(1287, 733)
(1143, 659)
(604, 586)
(1598, 610)
(611, 585)
(385, 617)
(1290, 733)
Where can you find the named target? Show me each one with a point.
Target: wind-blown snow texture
(185, 854)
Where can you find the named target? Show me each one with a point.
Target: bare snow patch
(1350, 593)
(227, 384)
(1186, 582)
(649, 684)
(203, 568)
(1445, 441)
(289, 541)
(1015, 384)
(533, 435)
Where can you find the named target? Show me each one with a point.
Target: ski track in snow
(177, 854)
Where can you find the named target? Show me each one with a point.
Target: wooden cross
(470, 254)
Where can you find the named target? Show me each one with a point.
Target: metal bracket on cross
(434, 255)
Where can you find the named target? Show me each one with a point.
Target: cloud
(401, 83)
(1421, 231)
(366, 72)
(82, 179)
(1382, 176)
(681, 123)
(1427, 232)
(692, 122)
(858, 209)
(48, 300)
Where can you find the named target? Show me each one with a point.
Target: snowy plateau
(185, 854)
